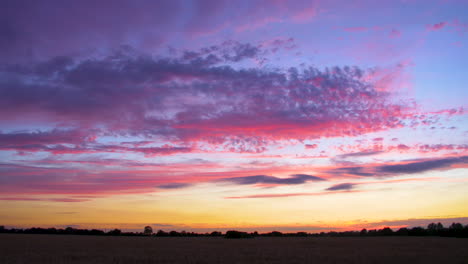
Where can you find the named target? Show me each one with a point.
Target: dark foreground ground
(19, 248)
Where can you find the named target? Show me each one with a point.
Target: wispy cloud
(264, 179)
(395, 169)
(341, 186)
(218, 104)
(437, 26)
(282, 195)
(29, 199)
(174, 185)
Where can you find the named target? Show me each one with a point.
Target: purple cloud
(360, 154)
(341, 186)
(174, 185)
(422, 166)
(217, 102)
(32, 30)
(264, 179)
(419, 166)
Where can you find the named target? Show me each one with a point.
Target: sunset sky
(213, 115)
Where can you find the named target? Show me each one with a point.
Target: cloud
(356, 29)
(360, 154)
(197, 97)
(19, 199)
(437, 26)
(54, 136)
(69, 200)
(282, 195)
(354, 171)
(174, 185)
(263, 179)
(60, 176)
(311, 146)
(442, 147)
(395, 33)
(77, 142)
(366, 148)
(395, 169)
(63, 200)
(421, 166)
(341, 186)
(32, 30)
(307, 176)
(37, 30)
(213, 16)
(402, 147)
(37, 180)
(89, 180)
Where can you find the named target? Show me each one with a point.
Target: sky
(250, 115)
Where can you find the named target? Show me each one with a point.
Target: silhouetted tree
(69, 230)
(439, 227)
(417, 231)
(372, 232)
(96, 232)
(148, 230)
(363, 232)
(115, 232)
(402, 232)
(435, 229)
(387, 231)
(456, 227)
(162, 233)
(301, 234)
(455, 230)
(432, 228)
(276, 234)
(237, 234)
(465, 231)
(216, 233)
(174, 233)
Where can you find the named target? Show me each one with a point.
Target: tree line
(433, 229)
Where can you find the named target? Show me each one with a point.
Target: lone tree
(148, 230)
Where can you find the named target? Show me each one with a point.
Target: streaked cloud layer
(305, 105)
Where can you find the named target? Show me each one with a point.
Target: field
(18, 248)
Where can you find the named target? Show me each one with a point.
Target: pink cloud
(63, 200)
(437, 26)
(394, 33)
(356, 29)
(282, 195)
(442, 147)
(402, 147)
(305, 15)
(60, 142)
(133, 177)
(202, 116)
(214, 16)
(460, 27)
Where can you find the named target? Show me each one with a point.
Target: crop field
(20, 248)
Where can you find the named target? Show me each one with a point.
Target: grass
(20, 248)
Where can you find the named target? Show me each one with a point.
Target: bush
(237, 234)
